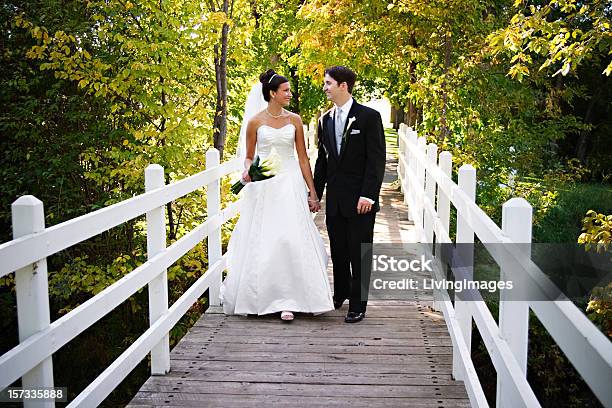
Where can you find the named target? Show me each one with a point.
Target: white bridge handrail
(26, 255)
(421, 174)
(28, 249)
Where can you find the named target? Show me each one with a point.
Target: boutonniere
(348, 127)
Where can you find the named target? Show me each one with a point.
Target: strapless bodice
(280, 140)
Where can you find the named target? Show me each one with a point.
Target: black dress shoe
(354, 317)
(338, 303)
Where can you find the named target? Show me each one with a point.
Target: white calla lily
(273, 162)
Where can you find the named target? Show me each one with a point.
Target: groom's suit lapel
(331, 133)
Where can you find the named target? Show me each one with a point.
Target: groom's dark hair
(342, 74)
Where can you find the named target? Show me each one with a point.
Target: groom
(351, 161)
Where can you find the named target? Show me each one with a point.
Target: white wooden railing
(429, 190)
(26, 256)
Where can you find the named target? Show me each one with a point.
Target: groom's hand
(363, 206)
(313, 203)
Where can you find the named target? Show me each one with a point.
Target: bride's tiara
(272, 77)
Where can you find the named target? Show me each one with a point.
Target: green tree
(560, 35)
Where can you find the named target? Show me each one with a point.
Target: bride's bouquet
(260, 170)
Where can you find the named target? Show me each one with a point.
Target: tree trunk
(411, 114)
(256, 15)
(398, 115)
(171, 227)
(411, 107)
(295, 90)
(582, 145)
(447, 61)
(220, 121)
(162, 141)
(394, 117)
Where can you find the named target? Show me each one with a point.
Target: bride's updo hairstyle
(270, 81)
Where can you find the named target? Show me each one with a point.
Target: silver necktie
(339, 123)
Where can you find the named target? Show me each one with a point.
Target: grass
(391, 141)
(563, 221)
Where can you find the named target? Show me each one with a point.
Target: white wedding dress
(276, 256)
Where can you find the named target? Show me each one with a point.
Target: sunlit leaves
(597, 231)
(562, 33)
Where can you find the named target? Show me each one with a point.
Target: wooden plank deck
(400, 355)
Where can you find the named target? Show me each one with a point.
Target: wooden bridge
(400, 355)
(413, 353)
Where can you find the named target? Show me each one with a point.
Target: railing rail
(32, 247)
(421, 173)
(27, 253)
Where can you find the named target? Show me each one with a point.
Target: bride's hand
(314, 206)
(313, 202)
(246, 177)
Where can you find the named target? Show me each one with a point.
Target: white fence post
(428, 218)
(401, 150)
(32, 289)
(406, 153)
(410, 157)
(158, 287)
(513, 311)
(443, 211)
(465, 250)
(420, 179)
(430, 193)
(213, 203)
(443, 208)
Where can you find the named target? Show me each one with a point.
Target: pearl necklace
(275, 116)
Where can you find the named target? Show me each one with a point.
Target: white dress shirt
(344, 111)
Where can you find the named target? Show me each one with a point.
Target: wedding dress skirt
(276, 257)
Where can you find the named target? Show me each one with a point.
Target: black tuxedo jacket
(357, 170)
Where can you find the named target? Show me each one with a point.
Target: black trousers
(352, 268)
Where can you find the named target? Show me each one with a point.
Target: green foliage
(79, 276)
(94, 93)
(437, 59)
(597, 235)
(600, 308)
(154, 99)
(555, 382)
(559, 35)
(562, 222)
(597, 231)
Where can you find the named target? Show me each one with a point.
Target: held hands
(363, 206)
(313, 202)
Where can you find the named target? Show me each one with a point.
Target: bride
(276, 257)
